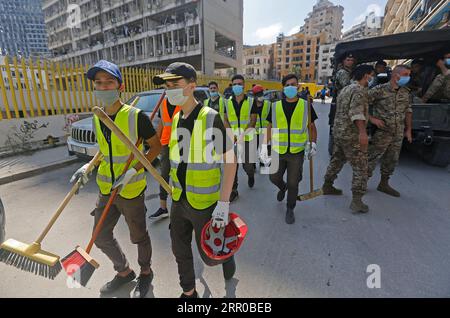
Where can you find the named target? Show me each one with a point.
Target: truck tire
(439, 154)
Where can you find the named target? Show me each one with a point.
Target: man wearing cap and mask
(393, 118)
(260, 111)
(130, 203)
(200, 187)
(440, 88)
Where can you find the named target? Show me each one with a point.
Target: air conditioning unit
(151, 53)
(169, 51)
(160, 52)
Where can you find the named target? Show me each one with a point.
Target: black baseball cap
(176, 71)
(349, 55)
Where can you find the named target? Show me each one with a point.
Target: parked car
(271, 95)
(82, 141)
(2, 222)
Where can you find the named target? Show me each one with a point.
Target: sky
(265, 19)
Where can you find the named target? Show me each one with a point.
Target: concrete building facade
(416, 15)
(325, 68)
(258, 62)
(396, 16)
(428, 15)
(22, 28)
(325, 18)
(298, 54)
(372, 26)
(207, 34)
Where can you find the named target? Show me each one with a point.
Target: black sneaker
(251, 181)
(281, 194)
(234, 195)
(194, 295)
(229, 268)
(117, 282)
(159, 215)
(143, 285)
(290, 217)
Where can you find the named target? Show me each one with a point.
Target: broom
(30, 257)
(313, 193)
(79, 265)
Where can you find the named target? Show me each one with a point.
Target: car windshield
(200, 95)
(146, 103)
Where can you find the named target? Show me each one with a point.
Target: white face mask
(176, 96)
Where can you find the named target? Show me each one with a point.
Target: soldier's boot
(386, 188)
(329, 189)
(357, 205)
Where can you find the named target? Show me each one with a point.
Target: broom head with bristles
(310, 196)
(80, 266)
(30, 258)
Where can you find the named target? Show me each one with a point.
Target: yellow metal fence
(32, 88)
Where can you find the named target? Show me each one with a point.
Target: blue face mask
(107, 97)
(290, 91)
(214, 94)
(447, 62)
(238, 90)
(404, 80)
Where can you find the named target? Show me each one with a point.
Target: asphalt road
(325, 254)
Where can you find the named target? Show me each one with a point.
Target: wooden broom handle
(158, 105)
(311, 164)
(138, 154)
(68, 197)
(111, 200)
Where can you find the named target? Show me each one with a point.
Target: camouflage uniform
(341, 80)
(440, 88)
(391, 106)
(352, 105)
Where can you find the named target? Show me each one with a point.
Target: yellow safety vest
(263, 118)
(298, 128)
(240, 126)
(203, 174)
(115, 158)
(221, 106)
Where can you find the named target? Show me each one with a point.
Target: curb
(37, 171)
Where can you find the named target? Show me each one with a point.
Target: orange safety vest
(167, 122)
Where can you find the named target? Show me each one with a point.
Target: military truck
(431, 121)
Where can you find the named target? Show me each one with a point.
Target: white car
(82, 141)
